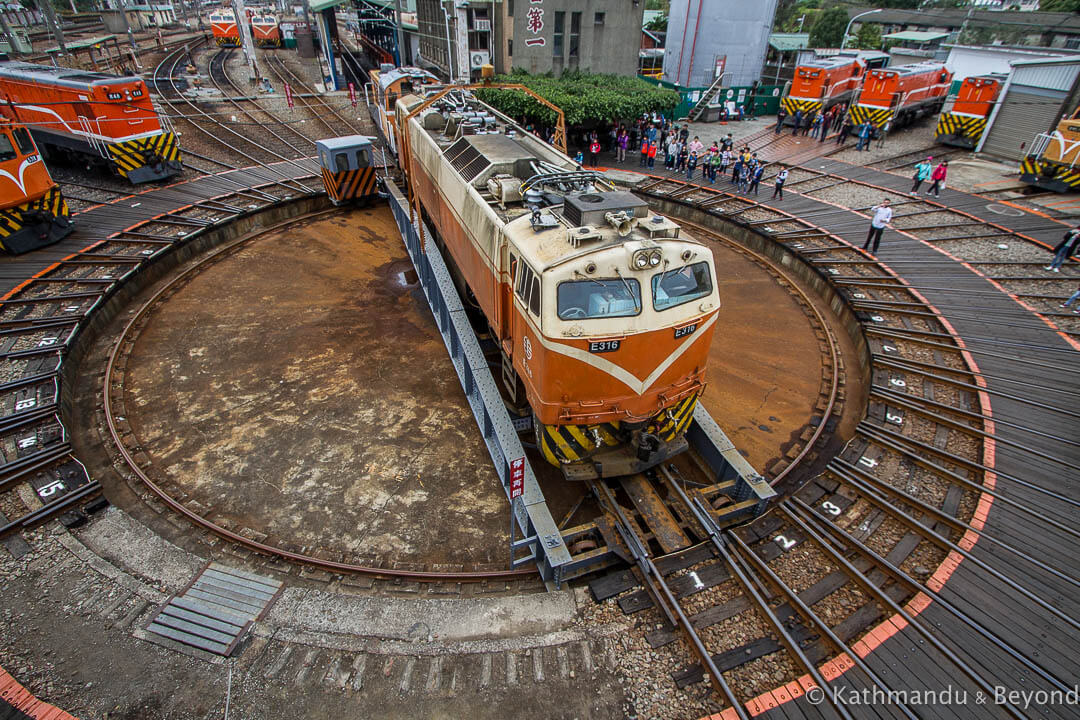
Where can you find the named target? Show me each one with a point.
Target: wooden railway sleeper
(856, 476)
(900, 576)
(748, 557)
(741, 573)
(891, 440)
(804, 516)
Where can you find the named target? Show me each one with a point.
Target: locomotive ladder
(542, 537)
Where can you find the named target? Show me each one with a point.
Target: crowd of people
(836, 119)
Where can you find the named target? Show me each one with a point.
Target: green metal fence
(766, 99)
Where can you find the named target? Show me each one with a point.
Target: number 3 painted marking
(830, 508)
(784, 542)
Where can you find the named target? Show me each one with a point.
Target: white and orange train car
(387, 85)
(32, 209)
(603, 310)
(265, 31)
(224, 28)
(821, 83)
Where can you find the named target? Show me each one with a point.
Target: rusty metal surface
(300, 388)
(655, 513)
(764, 367)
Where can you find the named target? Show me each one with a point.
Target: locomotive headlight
(654, 258)
(641, 259)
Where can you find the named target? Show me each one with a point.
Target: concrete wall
(609, 47)
(712, 28)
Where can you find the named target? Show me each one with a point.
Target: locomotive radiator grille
(876, 116)
(349, 184)
(133, 154)
(960, 125)
(793, 105)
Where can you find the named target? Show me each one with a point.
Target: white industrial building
(707, 37)
(1037, 95)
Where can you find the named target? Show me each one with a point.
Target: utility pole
(400, 33)
(245, 39)
(45, 8)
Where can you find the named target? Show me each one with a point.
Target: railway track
(908, 494)
(165, 76)
(315, 105)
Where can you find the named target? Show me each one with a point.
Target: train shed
(1035, 97)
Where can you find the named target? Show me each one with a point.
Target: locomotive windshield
(7, 150)
(675, 287)
(22, 139)
(616, 297)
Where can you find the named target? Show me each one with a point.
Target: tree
(587, 99)
(657, 24)
(828, 30)
(1072, 6)
(868, 37)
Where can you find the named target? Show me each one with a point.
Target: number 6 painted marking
(26, 404)
(888, 348)
(830, 508)
(898, 382)
(698, 585)
(784, 542)
(858, 296)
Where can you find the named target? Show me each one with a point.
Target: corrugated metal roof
(320, 5)
(1048, 74)
(786, 42)
(915, 36)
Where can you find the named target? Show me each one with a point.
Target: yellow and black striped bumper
(561, 444)
(349, 185)
(268, 42)
(876, 116)
(150, 158)
(227, 41)
(959, 130)
(35, 224)
(1049, 175)
(793, 105)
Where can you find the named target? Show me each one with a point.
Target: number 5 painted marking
(51, 489)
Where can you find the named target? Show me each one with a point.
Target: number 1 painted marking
(698, 585)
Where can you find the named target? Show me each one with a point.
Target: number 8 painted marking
(830, 508)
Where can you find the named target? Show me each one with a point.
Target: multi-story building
(467, 28)
(536, 35)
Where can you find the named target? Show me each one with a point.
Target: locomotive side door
(504, 302)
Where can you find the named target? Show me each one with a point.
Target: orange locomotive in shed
(603, 310)
(964, 124)
(265, 31)
(820, 84)
(32, 210)
(901, 94)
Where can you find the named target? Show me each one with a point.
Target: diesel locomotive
(603, 310)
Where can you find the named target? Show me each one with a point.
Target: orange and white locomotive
(32, 210)
(822, 83)
(223, 26)
(265, 31)
(901, 94)
(603, 310)
(108, 118)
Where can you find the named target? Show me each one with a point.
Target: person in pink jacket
(938, 176)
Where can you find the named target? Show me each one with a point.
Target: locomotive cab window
(23, 140)
(7, 150)
(341, 162)
(675, 287)
(528, 288)
(614, 297)
(362, 159)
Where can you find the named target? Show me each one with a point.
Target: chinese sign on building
(534, 23)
